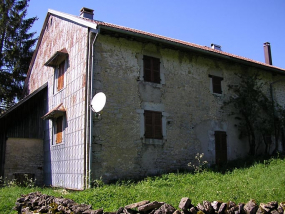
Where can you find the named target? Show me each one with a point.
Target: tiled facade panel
(64, 163)
(192, 113)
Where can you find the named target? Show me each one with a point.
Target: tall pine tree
(16, 49)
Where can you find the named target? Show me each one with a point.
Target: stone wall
(191, 112)
(39, 203)
(24, 156)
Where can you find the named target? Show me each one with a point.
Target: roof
(94, 24)
(57, 58)
(22, 101)
(55, 112)
(190, 45)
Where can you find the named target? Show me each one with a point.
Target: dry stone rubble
(41, 203)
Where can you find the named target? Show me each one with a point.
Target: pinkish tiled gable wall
(64, 163)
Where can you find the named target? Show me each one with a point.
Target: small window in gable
(59, 62)
(151, 67)
(60, 76)
(153, 124)
(216, 84)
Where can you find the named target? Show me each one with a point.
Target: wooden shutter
(151, 69)
(221, 147)
(59, 123)
(217, 84)
(60, 79)
(153, 124)
(155, 70)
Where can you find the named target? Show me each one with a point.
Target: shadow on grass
(245, 162)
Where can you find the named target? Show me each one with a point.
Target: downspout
(88, 111)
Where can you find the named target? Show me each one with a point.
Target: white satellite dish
(98, 102)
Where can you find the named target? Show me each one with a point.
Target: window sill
(58, 144)
(55, 93)
(217, 95)
(153, 141)
(155, 85)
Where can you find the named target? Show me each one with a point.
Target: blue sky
(239, 26)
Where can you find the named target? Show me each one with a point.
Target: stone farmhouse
(164, 99)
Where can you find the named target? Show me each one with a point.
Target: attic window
(216, 84)
(151, 69)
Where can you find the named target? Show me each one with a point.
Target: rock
(138, 204)
(216, 205)
(165, 209)
(177, 212)
(129, 211)
(208, 207)
(120, 210)
(200, 207)
(250, 207)
(222, 208)
(150, 206)
(185, 204)
(241, 208)
(193, 210)
(80, 208)
(274, 212)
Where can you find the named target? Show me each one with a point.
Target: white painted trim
(74, 18)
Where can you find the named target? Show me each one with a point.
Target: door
(221, 147)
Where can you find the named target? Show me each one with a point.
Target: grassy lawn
(263, 182)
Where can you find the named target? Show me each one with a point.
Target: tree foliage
(16, 49)
(256, 113)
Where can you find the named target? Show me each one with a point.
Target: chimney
(267, 53)
(216, 47)
(86, 13)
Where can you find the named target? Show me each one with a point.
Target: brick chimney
(86, 13)
(267, 53)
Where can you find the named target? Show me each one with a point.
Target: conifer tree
(16, 49)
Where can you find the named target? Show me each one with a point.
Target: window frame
(59, 80)
(153, 128)
(216, 84)
(151, 69)
(58, 132)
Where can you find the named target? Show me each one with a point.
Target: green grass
(263, 182)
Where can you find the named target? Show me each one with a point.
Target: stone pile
(40, 203)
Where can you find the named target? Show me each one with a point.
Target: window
(59, 130)
(60, 76)
(153, 124)
(151, 67)
(59, 61)
(216, 84)
(221, 147)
